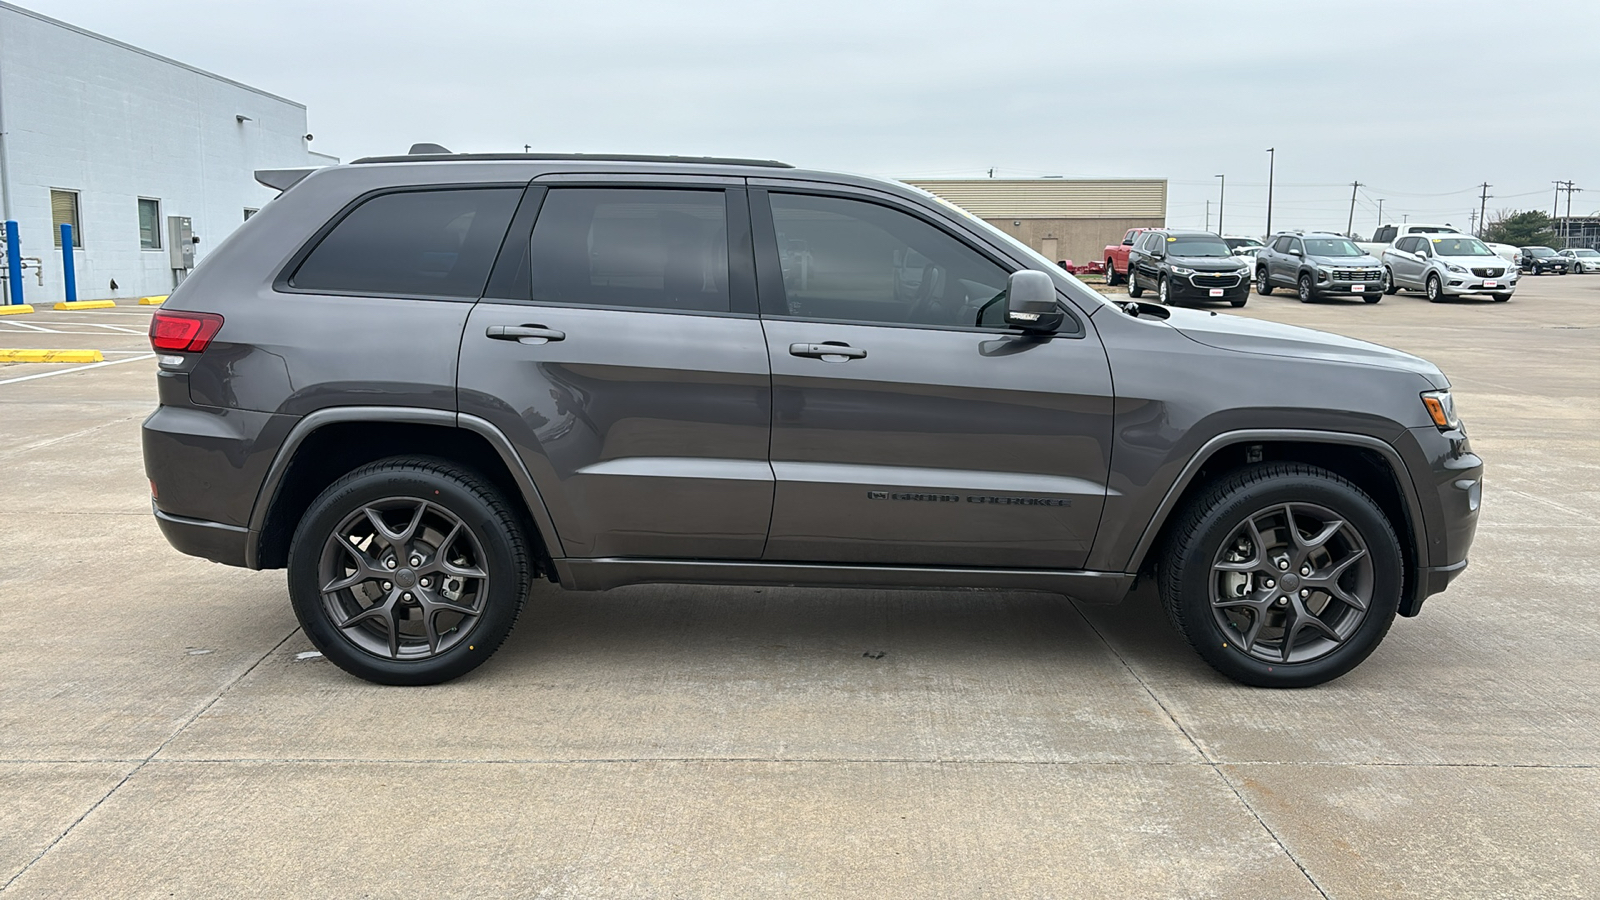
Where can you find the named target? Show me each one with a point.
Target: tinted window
(1150, 240)
(1283, 244)
(658, 249)
(1197, 246)
(413, 244)
(853, 261)
(1332, 247)
(1384, 235)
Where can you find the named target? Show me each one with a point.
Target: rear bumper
(208, 540)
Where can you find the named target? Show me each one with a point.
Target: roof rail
(425, 153)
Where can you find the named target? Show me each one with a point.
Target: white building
(117, 141)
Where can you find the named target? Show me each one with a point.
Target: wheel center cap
(405, 578)
(1289, 580)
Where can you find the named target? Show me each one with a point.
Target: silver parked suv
(1315, 264)
(418, 383)
(1447, 265)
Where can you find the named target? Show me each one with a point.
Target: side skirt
(604, 574)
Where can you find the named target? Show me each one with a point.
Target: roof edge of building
(11, 7)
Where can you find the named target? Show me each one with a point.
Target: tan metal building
(1062, 218)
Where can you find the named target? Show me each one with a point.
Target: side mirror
(1294, 252)
(1031, 301)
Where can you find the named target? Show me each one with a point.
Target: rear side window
(437, 243)
(632, 247)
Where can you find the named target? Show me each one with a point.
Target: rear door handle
(532, 334)
(827, 352)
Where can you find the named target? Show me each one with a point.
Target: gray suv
(1316, 264)
(418, 383)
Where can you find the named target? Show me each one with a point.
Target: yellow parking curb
(51, 356)
(153, 301)
(15, 309)
(87, 304)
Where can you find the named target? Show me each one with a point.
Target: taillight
(186, 332)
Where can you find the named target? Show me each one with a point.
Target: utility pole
(991, 173)
(1272, 166)
(1222, 195)
(1483, 208)
(1351, 225)
(1566, 224)
(1380, 212)
(1555, 207)
(1208, 215)
(1472, 221)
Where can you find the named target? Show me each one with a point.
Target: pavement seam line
(1210, 763)
(146, 761)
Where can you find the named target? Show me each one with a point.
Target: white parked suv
(1447, 265)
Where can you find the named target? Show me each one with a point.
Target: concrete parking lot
(164, 732)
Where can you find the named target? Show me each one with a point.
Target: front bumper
(1455, 284)
(1542, 268)
(1449, 482)
(1201, 285)
(1350, 286)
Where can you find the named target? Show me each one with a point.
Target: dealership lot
(164, 714)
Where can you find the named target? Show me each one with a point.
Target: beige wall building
(1062, 218)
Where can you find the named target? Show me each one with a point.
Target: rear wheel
(408, 571)
(1263, 283)
(1111, 273)
(1435, 289)
(1307, 292)
(1282, 575)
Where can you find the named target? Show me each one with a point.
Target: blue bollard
(67, 270)
(14, 263)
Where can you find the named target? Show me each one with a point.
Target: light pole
(1380, 212)
(1222, 194)
(1272, 166)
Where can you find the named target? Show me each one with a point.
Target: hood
(1366, 261)
(1207, 263)
(1275, 339)
(1473, 262)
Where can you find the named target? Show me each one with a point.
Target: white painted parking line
(109, 362)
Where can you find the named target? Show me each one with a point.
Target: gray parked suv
(418, 383)
(1317, 264)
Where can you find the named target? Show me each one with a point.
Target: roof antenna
(418, 149)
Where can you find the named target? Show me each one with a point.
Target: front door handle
(532, 334)
(827, 352)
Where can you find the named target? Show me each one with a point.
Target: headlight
(1180, 270)
(1441, 409)
(1325, 271)
(1455, 268)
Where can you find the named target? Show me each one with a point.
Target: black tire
(1389, 287)
(1308, 293)
(1501, 298)
(1134, 290)
(1163, 291)
(1204, 532)
(1435, 289)
(1111, 273)
(1241, 301)
(1371, 298)
(1263, 283)
(490, 540)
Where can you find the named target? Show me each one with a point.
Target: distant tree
(1523, 229)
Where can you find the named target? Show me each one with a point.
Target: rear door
(910, 426)
(620, 349)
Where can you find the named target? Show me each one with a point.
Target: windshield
(1236, 243)
(1197, 246)
(1332, 247)
(1432, 229)
(1460, 246)
(1585, 252)
(1540, 252)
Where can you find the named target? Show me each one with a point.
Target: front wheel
(1240, 302)
(1307, 292)
(1163, 292)
(1134, 290)
(1263, 283)
(1111, 273)
(1435, 289)
(1282, 575)
(408, 571)
(1389, 287)
(1501, 298)
(1371, 298)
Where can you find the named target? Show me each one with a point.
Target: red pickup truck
(1117, 257)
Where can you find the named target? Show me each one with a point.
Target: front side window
(854, 261)
(1282, 245)
(432, 243)
(64, 211)
(149, 224)
(632, 247)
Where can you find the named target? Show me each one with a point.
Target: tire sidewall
(505, 582)
(1193, 580)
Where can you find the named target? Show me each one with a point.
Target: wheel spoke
(1329, 581)
(1322, 537)
(396, 539)
(450, 568)
(366, 570)
(1248, 639)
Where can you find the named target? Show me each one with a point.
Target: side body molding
(1404, 479)
(403, 415)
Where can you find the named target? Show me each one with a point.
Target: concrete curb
(51, 356)
(15, 309)
(86, 304)
(153, 301)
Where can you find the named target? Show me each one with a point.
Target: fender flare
(267, 495)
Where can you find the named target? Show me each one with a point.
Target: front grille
(1488, 273)
(1214, 279)
(1357, 274)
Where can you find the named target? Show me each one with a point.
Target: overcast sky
(1420, 101)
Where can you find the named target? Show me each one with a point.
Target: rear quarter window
(426, 243)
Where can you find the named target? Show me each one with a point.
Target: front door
(910, 426)
(623, 356)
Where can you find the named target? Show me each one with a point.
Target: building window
(64, 211)
(248, 212)
(149, 224)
